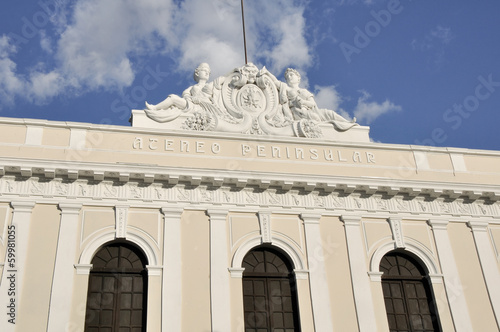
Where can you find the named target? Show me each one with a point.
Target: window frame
(422, 278)
(268, 277)
(119, 273)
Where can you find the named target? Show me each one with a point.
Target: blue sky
(418, 72)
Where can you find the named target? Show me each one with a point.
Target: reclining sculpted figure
(196, 96)
(299, 103)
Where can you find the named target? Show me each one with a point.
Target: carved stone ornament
(249, 101)
(397, 232)
(265, 226)
(132, 193)
(121, 216)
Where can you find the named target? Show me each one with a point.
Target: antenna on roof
(244, 34)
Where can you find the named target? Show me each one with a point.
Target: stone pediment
(249, 101)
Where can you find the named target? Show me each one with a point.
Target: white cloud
(436, 42)
(211, 31)
(46, 42)
(436, 38)
(44, 86)
(367, 112)
(97, 42)
(443, 34)
(96, 49)
(10, 83)
(37, 87)
(6, 48)
(327, 97)
(285, 25)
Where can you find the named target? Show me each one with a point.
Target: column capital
(172, 212)
(310, 218)
(217, 214)
(21, 206)
(438, 224)
(478, 225)
(351, 220)
(70, 208)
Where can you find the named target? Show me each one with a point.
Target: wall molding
(424, 254)
(105, 182)
(97, 242)
(289, 248)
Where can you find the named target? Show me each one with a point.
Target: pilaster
(317, 273)
(62, 282)
(359, 274)
(171, 298)
(452, 282)
(219, 274)
(489, 263)
(19, 231)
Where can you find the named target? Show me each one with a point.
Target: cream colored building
(192, 204)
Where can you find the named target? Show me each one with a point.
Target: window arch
(409, 301)
(269, 292)
(117, 290)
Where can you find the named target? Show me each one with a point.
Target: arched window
(269, 292)
(116, 299)
(409, 301)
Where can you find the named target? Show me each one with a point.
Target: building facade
(155, 227)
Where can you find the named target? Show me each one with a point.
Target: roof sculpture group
(248, 100)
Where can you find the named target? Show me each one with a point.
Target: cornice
(145, 175)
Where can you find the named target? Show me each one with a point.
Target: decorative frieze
(57, 188)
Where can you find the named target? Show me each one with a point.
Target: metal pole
(244, 34)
